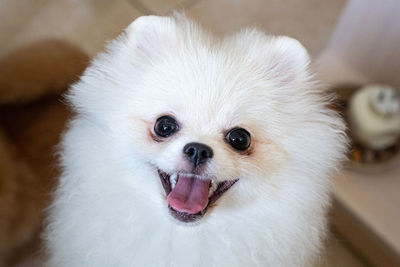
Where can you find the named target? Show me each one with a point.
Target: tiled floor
(89, 24)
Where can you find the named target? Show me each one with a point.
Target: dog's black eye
(238, 138)
(166, 126)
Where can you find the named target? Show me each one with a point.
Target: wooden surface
(367, 211)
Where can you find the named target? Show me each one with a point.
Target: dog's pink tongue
(189, 195)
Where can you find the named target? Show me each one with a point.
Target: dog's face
(201, 116)
(202, 139)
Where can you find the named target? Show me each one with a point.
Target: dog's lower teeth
(172, 180)
(213, 187)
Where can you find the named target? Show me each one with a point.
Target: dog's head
(206, 116)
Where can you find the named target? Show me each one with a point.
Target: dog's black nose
(197, 153)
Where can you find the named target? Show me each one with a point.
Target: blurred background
(355, 47)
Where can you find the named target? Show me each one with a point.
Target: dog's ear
(150, 35)
(286, 60)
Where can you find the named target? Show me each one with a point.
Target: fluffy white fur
(110, 208)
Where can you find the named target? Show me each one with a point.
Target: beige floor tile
(15, 14)
(158, 7)
(87, 24)
(310, 21)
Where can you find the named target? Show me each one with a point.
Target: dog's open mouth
(189, 195)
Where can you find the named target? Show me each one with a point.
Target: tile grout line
(187, 4)
(141, 7)
(148, 11)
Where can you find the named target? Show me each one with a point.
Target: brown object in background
(39, 69)
(29, 132)
(19, 214)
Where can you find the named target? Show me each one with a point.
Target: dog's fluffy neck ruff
(110, 208)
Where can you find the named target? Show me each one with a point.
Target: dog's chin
(189, 203)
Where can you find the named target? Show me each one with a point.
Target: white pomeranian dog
(191, 150)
